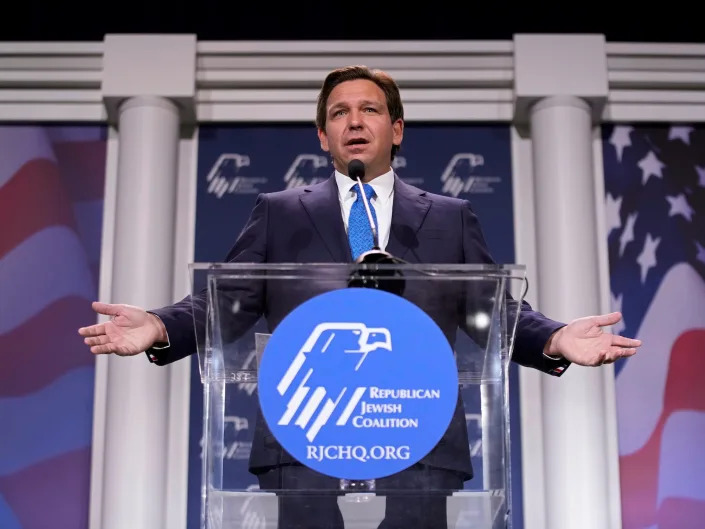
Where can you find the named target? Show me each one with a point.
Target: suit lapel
(322, 204)
(409, 210)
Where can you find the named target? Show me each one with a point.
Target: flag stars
(620, 139)
(680, 206)
(680, 133)
(701, 252)
(612, 208)
(701, 175)
(650, 165)
(647, 257)
(628, 233)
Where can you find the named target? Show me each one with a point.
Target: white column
(561, 87)
(148, 89)
(136, 432)
(575, 444)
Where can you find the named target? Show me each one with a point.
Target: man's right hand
(130, 331)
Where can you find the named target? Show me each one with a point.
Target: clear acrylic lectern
(358, 373)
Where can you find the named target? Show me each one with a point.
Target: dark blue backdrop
(238, 161)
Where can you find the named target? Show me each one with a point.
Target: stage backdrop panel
(51, 211)
(655, 208)
(238, 161)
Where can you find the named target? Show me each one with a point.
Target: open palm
(131, 330)
(584, 342)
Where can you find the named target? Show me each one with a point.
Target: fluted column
(575, 442)
(137, 392)
(148, 82)
(561, 87)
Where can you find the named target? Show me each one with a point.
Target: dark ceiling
(365, 19)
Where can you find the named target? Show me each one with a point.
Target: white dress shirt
(382, 201)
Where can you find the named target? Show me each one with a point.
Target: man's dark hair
(352, 73)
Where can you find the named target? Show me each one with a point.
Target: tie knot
(369, 191)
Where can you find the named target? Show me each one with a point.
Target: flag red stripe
(82, 165)
(681, 513)
(640, 471)
(30, 201)
(686, 374)
(54, 490)
(45, 347)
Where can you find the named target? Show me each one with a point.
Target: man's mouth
(356, 141)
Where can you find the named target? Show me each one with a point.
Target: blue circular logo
(358, 383)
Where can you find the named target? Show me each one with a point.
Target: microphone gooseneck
(369, 275)
(356, 171)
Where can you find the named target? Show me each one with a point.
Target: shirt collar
(383, 185)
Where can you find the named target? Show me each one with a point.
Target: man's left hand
(583, 341)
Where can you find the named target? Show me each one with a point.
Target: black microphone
(369, 276)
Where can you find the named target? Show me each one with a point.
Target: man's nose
(354, 120)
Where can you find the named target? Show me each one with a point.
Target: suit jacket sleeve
(185, 320)
(533, 328)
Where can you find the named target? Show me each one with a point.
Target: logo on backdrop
(236, 444)
(460, 175)
(358, 383)
(307, 169)
(228, 175)
(399, 162)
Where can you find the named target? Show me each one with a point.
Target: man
(359, 116)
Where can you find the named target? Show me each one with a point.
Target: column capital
(548, 65)
(162, 66)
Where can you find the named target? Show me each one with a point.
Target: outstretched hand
(583, 341)
(130, 331)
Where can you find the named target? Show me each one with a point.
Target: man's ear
(397, 132)
(323, 139)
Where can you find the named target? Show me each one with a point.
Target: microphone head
(356, 169)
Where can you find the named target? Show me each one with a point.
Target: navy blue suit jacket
(305, 225)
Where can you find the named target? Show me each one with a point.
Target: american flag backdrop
(655, 208)
(51, 210)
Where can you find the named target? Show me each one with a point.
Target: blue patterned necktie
(359, 231)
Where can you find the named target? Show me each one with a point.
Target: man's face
(358, 125)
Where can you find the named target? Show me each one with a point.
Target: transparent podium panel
(341, 395)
